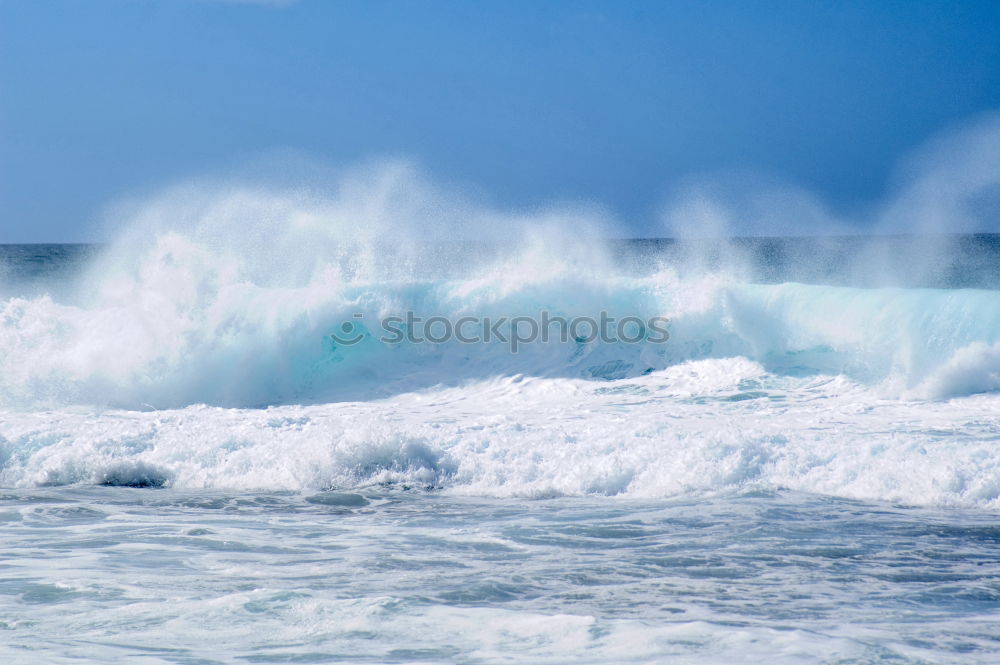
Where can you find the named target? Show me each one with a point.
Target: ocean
(225, 446)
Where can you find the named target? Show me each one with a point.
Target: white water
(176, 339)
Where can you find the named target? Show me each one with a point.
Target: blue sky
(613, 102)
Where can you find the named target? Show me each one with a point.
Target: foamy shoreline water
(383, 575)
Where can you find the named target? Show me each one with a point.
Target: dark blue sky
(529, 101)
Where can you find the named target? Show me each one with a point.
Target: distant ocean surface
(196, 468)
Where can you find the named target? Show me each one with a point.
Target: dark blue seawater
(29, 268)
(947, 261)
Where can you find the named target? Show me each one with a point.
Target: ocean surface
(209, 452)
